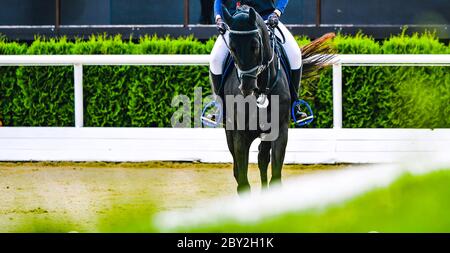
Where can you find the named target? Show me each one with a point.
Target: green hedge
(132, 96)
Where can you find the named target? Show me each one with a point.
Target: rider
(270, 12)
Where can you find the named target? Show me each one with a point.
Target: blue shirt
(263, 7)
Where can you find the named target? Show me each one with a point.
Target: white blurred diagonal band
(309, 191)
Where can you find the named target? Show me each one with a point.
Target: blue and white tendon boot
(213, 111)
(302, 113)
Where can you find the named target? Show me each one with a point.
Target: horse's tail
(317, 55)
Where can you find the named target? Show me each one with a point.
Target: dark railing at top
(377, 31)
(187, 14)
(185, 11)
(318, 12)
(57, 14)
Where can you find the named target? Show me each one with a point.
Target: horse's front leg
(241, 155)
(278, 153)
(263, 162)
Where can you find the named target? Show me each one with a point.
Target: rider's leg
(218, 55)
(294, 54)
(216, 64)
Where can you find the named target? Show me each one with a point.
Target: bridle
(254, 72)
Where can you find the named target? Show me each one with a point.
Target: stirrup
(306, 118)
(212, 119)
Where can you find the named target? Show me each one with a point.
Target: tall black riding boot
(296, 75)
(214, 109)
(294, 87)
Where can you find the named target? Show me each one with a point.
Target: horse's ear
(252, 16)
(226, 15)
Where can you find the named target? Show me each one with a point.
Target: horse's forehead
(241, 21)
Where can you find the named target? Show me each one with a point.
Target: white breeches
(220, 51)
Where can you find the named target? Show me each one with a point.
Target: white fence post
(78, 99)
(337, 96)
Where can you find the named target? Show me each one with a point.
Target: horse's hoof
(243, 190)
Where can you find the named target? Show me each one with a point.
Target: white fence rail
(209, 145)
(124, 144)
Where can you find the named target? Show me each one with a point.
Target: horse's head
(246, 46)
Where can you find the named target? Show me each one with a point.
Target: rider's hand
(273, 20)
(221, 26)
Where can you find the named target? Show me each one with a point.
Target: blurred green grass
(411, 204)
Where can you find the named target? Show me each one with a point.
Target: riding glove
(273, 20)
(221, 26)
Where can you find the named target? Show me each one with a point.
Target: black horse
(258, 74)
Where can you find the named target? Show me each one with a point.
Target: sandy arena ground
(85, 191)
